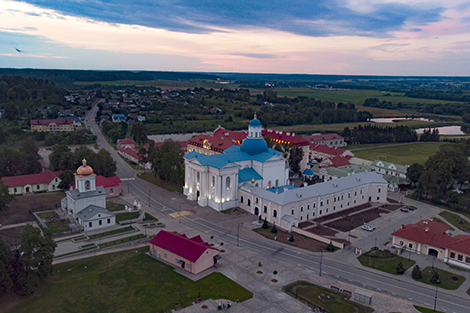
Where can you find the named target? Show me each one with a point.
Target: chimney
(427, 229)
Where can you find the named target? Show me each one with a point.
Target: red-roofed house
(112, 185)
(192, 254)
(338, 162)
(133, 155)
(431, 238)
(126, 143)
(45, 181)
(323, 152)
(58, 124)
(330, 140)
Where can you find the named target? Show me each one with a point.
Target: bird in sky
(18, 50)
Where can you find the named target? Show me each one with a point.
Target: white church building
(256, 178)
(87, 203)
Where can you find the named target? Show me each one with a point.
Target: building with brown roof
(191, 254)
(45, 181)
(52, 125)
(330, 140)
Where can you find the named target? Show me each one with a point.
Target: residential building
(52, 125)
(393, 169)
(23, 184)
(191, 254)
(118, 118)
(322, 152)
(330, 173)
(126, 143)
(329, 140)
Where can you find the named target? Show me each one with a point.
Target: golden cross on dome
(255, 115)
(84, 161)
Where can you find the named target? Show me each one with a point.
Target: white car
(368, 227)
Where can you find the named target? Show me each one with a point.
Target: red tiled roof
(340, 161)
(290, 138)
(461, 244)
(33, 179)
(131, 152)
(221, 139)
(326, 150)
(427, 232)
(58, 121)
(314, 138)
(126, 141)
(188, 248)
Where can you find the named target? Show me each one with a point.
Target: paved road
(337, 266)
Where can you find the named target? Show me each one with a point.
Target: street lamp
(321, 259)
(433, 258)
(435, 300)
(238, 234)
(375, 245)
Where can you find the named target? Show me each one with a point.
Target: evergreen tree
(399, 269)
(416, 274)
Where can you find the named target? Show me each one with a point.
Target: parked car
(404, 210)
(410, 208)
(368, 227)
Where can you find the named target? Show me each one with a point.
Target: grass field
(128, 281)
(332, 301)
(113, 206)
(456, 220)
(58, 226)
(404, 155)
(446, 278)
(126, 216)
(385, 265)
(121, 241)
(426, 310)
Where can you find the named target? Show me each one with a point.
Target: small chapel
(87, 202)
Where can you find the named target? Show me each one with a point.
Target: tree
(265, 224)
(167, 161)
(143, 156)
(55, 156)
(139, 133)
(291, 239)
(274, 229)
(66, 179)
(435, 277)
(296, 155)
(413, 173)
(330, 247)
(6, 270)
(5, 197)
(399, 269)
(417, 274)
(104, 164)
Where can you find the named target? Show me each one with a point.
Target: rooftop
(32, 179)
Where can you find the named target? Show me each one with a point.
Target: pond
(392, 119)
(445, 130)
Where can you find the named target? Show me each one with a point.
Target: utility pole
(435, 300)
(149, 198)
(321, 259)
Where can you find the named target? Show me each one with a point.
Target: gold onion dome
(84, 169)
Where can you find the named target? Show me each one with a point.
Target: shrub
(265, 224)
(274, 229)
(435, 278)
(259, 264)
(416, 274)
(330, 247)
(291, 239)
(399, 269)
(275, 273)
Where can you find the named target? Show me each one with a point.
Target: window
(326, 211)
(248, 202)
(100, 222)
(301, 217)
(307, 216)
(341, 197)
(361, 191)
(277, 182)
(378, 198)
(213, 182)
(460, 257)
(176, 260)
(379, 190)
(328, 201)
(334, 199)
(308, 206)
(410, 245)
(109, 221)
(292, 212)
(158, 255)
(314, 204)
(164, 256)
(355, 192)
(227, 183)
(90, 224)
(53, 187)
(15, 190)
(334, 208)
(111, 191)
(313, 214)
(198, 177)
(321, 202)
(37, 187)
(256, 200)
(349, 195)
(87, 185)
(319, 213)
(188, 266)
(274, 213)
(269, 184)
(56, 179)
(265, 209)
(354, 201)
(452, 255)
(467, 259)
(401, 243)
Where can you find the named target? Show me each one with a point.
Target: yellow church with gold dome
(87, 202)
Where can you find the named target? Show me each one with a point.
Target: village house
(329, 140)
(52, 125)
(126, 143)
(322, 152)
(387, 168)
(23, 184)
(191, 254)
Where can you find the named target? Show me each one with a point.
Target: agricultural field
(406, 154)
(163, 84)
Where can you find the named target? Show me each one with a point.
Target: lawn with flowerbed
(449, 281)
(385, 261)
(331, 301)
(127, 281)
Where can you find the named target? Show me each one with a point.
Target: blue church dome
(254, 146)
(255, 123)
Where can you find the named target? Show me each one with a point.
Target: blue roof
(254, 146)
(255, 123)
(308, 172)
(281, 188)
(247, 174)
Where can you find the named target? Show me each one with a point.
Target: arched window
(241, 199)
(248, 202)
(269, 184)
(213, 181)
(277, 182)
(265, 209)
(275, 213)
(87, 185)
(227, 183)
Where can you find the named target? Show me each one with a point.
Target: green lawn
(468, 291)
(112, 232)
(113, 206)
(426, 310)
(446, 278)
(456, 220)
(149, 217)
(442, 222)
(150, 177)
(384, 265)
(404, 155)
(58, 226)
(43, 215)
(126, 216)
(121, 241)
(332, 301)
(128, 281)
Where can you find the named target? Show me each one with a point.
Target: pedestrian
(229, 305)
(223, 306)
(237, 300)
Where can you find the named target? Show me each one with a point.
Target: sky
(352, 37)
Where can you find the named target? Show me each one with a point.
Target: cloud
(303, 17)
(256, 55)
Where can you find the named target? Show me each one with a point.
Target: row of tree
(23, 267)
(377, 134)
(22, 161)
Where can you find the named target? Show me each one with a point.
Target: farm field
(405, 154)
(164, 84)
(128, 281)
